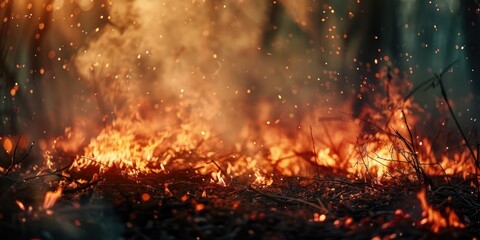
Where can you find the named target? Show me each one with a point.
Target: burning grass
(386, 140)
(176, 132)
(136, 179)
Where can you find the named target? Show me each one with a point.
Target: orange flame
(51, 198)
(434, 218)
(156, 114)
(261, 180)
(176, 137)
(217, 177)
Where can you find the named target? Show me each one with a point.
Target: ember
(239, 119)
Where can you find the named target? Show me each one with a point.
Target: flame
(176, 138)
(166, 98)
(51, 198)
(261, 180)
(217, 178)
(434, 218)
(131, 146)
(155, 98)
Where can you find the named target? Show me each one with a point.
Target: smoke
(199, 61)
(235, 66)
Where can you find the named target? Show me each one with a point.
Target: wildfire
(381, 143)
(167, 100)
(229, 91)
(139, 145)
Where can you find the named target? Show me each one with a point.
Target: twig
(430, 81)
(13, 164)
(380, 129)
(333, 181)
(436, 160)
(444, 94)
(362, 149)
(314, 151)
(82, 187)
(470, 149)
(220, 168)
(53, 173)
(287, 199)
(411, 146)
(438, 80)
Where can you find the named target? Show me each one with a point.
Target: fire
(167, 101)
(124, 148)
(139, 144)
(160, 100)
(51, 198)
(434, 219)
(261, 180)
(217, 178)
(201, 87)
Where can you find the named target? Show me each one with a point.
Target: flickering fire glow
(205, 88)
(156, 98)
(51, 198)
(144, 145)
(435, 219)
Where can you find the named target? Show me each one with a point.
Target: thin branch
(470, 149)
(432, 81)
(220, 168)
(444, 94)
(314, 151)
(288, 199)
(14, 163)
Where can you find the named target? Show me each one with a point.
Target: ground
(187, 205)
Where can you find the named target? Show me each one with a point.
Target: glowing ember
(319, 217)
(145, 197)
(20, 205)
(167, 191)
